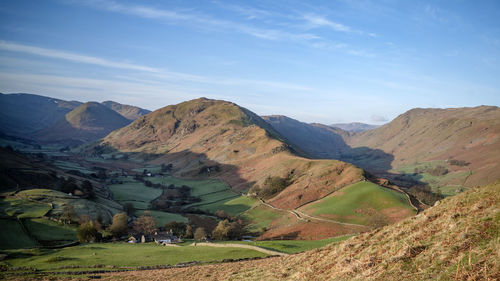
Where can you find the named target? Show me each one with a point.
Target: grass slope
(163, 218)
(362, 203)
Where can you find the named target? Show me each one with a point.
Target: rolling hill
(88, 122)
(210, 138)
(128, 111)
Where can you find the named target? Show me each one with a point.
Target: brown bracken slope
(456, 240)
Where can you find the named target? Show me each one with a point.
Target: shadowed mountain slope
(23, 114)
(88, 122)
(318, 141)
(128, 111)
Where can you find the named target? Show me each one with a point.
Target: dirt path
(262, 250)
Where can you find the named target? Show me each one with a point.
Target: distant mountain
(354, 126)
(24, 114)
(88, 122)
(318, 141)
(128, 111)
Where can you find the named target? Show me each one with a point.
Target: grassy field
(12, 235)
(46, 230)
(448, 184)
(233, 207)
(292, 246)
(122, 255)
(134, 192)
(260, 217)
(58, 200)
(163, 218)
(66, 165)
(359, 203)
(22, 208)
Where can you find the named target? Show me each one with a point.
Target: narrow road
(262, 250)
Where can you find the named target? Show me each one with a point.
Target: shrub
(87, 232)
(272, 186)
(119, 226)
(200, 234)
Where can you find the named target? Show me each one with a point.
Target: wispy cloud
(57, 54)
(314, 21)
(199, 20)
(157, 75)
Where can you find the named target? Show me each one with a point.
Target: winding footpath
(262, 250)
(303, 216)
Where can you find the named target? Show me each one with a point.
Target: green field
(22, 208)
(448, 184)
(12, 235)
(292, 246)
(358, 203)
(233, 207)
(46, 230)
(214, 194)
(163, 218)
(122, 255)
(134, 192)
(58, 200)
(260, 217)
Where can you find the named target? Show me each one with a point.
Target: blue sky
(315, 61)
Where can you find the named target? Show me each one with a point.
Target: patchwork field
(135, 192)
(163, 218)
(362, 203)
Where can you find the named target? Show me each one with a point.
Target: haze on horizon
(320, 61)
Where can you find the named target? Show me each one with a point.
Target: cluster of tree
(227, 230)
(439, 170)
(90, 231)
(271, 186)
(458, 162)
(209, 169)
(425, 194)
(69, 185)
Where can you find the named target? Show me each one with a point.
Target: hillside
(354, 126)
(456, 240)
(316, 140)
(43, 112)
(216, 139)
(420, 140)
(88, 122)
(128, 111)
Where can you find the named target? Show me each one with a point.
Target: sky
(315, 61)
